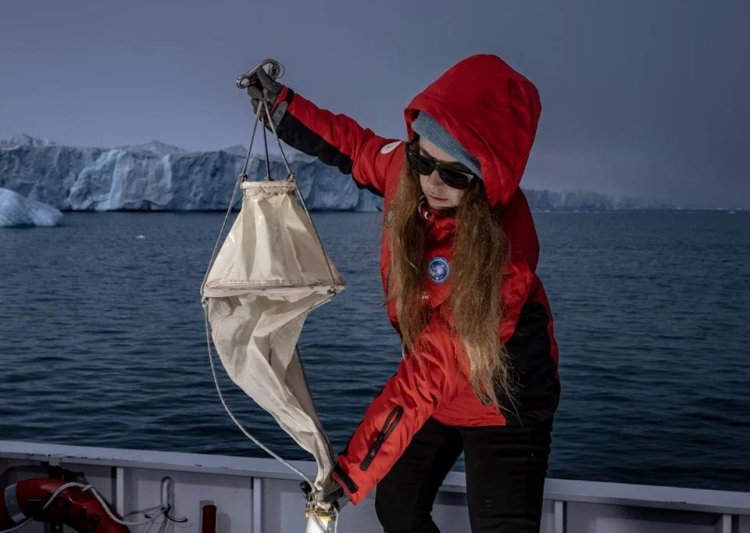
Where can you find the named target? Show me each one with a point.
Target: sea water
(102, 340)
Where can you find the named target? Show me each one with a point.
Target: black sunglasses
(448, 172)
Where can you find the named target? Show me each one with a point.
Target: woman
(458, 259)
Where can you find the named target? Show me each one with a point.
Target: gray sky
(639, 97)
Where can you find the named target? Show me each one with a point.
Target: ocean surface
(102, 340)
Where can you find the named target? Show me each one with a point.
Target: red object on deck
(74, 507)
(208, 518)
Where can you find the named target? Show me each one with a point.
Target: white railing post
(559, 516)
(724, 524)
(257, 505)
(120, 490)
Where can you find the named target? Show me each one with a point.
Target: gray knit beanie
(426, 126)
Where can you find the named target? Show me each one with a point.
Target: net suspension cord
(332, 288)
(238, 183)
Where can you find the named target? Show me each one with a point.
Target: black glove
(336, 495)
(262, 86)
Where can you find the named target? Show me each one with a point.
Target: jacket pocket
(389, 425)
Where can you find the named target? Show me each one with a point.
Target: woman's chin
(438, 204)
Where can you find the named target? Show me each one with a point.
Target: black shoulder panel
(533, 368)
(297, 135)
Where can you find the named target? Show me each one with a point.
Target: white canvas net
(270, 272)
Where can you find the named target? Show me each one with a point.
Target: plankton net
(270, 272)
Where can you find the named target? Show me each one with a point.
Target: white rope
(105, 506)
(164, 508)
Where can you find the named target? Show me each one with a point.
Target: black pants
(505, 471)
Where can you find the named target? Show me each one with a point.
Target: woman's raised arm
(335, 139)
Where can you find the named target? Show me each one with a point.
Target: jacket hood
(490, 109)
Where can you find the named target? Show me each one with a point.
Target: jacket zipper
(388, 426)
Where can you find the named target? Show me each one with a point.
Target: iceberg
(19, 212)
(158, 177)
(155, 176)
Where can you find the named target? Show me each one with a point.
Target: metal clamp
(271, 66)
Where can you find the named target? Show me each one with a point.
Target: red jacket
(493, 112)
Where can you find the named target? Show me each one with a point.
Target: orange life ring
(74, 507)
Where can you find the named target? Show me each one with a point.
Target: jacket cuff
(285, 95)
(347, 483)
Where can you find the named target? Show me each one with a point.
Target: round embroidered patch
(438, 269)
(388, 148)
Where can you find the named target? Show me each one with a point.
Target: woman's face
(438, 194)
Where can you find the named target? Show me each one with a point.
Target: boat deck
(260, 495)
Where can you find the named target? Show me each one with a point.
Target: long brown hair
(480, 253)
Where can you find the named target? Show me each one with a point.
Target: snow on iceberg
(19, 212)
